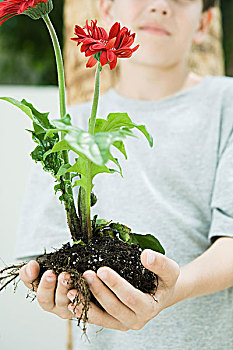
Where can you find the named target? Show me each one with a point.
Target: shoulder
(223, 87)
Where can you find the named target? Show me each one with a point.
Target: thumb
(167, 269)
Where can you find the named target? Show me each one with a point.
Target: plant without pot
(96, 242)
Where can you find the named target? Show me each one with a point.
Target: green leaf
(102, 222)
(115, 160)
(95, 147)
(142, 128)
(62, 170)
(19, 104)
(147, 241)
(123, 230)
(82, 182)
(120, 145)
(65, 121)
(93, 199)
(115, 121)
(97, 169)
(40, 118)
(79, 242)
(60, 146)
(99, 123)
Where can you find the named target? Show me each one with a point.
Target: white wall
(23, 324)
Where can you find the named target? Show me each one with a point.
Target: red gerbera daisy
(103, 47)
(11, 8)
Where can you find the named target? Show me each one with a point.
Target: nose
(161, 7)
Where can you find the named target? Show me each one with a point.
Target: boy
(181, 190)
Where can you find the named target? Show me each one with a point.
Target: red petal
(88, 53)
(91, 62)
(79, 31)
(110, 55)
(113, 63)
(135, 48)
(98, 46)
(84, 48)
(104, 34)
(120, 37)
(110, 44)
(128, 41)
(114, 30)
(103, 58)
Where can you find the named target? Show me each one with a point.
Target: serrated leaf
(65, 121)
(19, 104)
(120, 145)
(99, 123)
(26, 107)
(142, 128)
(115, 160)
(118, 121)
(95, 147)
(62, 170)
(83, 183)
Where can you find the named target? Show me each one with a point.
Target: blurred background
(31, 74)
(34, 62)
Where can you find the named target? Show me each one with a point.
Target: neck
(141, 81)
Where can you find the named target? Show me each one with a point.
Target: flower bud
(40, 10)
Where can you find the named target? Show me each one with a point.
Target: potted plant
(96, 242)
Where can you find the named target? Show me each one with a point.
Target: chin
(152, 61)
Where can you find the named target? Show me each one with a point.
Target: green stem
(61, 79)
(91, 130)
(73, 220)
(92, 120)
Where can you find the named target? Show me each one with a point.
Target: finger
(167, 269)
(61, 299)
(46, 291)
(98, 317)
(29, 273)
(108, 299)
(133, 298)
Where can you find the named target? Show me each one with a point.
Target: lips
(156, 28)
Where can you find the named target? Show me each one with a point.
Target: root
(10, 273)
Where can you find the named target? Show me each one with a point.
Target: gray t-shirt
(181, 190)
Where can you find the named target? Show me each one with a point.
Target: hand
(51, 296)
(125, 306)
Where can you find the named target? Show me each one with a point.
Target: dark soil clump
(100, 251)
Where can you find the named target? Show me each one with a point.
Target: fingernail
(28, 270)
(103, 274)
(50, 278)
(88, 278)
(71, 296)
(71, 307)
(64, 282)
(150, 258)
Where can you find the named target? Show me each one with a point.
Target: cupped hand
(125, 306)
(51, 292)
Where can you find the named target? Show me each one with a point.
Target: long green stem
(91, 130)
(60, 73)
(73, 219)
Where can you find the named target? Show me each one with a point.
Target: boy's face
(183, 20)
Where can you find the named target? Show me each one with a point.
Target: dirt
(100, 251)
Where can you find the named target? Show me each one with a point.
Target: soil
(100, 251)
